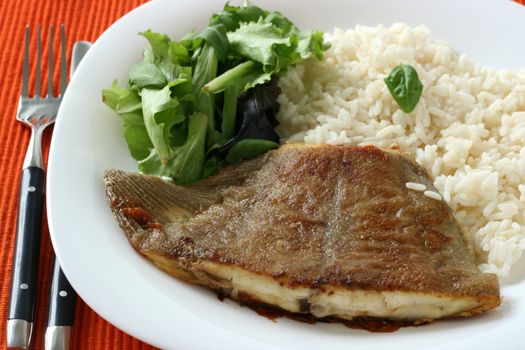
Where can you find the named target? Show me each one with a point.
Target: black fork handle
(62, 296)
(28, 232)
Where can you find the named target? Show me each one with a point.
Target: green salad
(210, 98)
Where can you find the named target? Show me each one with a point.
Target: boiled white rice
(433, 195)
(415, 186)
(468, 129)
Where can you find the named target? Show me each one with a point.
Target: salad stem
(222, 81)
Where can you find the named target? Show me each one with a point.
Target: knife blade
(61, 305)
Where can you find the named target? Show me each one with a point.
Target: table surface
(84, 20)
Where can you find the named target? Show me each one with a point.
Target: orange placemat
(84, 20)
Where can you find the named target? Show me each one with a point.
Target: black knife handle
(28, 232)
(61, 309)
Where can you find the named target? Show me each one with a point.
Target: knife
(61, 304)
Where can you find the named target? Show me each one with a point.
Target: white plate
(131, 293)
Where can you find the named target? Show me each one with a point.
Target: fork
(36, 112)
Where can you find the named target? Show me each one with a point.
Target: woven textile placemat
(84, 20)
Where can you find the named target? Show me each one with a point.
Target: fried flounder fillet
(330, 231)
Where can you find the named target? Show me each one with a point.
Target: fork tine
(50, 76)
(38, 63)
(63, 63)
(25, 69)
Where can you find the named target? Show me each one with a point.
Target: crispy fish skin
(325, 230)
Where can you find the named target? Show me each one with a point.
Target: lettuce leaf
(152, 165)
(270, 50)
(127, 103)
(209, 98)
(147, 75)
(160, 114)
(231, 17)
(249, 148)
(188, 159)
(264, 43)
(187, 164)
(216, 36)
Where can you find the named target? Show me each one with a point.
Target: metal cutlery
(37, 112)
(61, 304)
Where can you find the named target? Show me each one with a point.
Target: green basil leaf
(405, 87)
